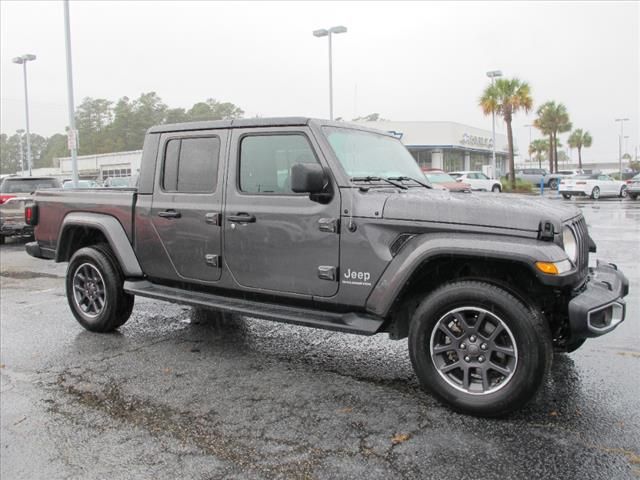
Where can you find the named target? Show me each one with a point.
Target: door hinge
(326, 272)
(329, 225)
(212, 218)
(212, 260)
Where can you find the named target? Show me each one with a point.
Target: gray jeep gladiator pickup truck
(332, 225)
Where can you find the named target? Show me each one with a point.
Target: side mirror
(307, 178)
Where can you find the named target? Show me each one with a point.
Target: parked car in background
(478, 181)
(15, 193)
(570, 173)
(81, 184)
(443, 179)
(119, 182)
(633, 187)
(594, 186)
(535, 175)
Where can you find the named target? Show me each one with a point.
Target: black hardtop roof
(258, 122)
(236, 123)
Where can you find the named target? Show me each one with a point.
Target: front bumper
(574, 192)
(598, 306)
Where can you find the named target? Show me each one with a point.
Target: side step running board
(359, 323)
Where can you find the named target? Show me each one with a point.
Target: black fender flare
(423, 248)
(113, 232)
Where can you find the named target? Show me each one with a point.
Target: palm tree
(539, 147)
(553, 118)
(579, 139)
(506, 97)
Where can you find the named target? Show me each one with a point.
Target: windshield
(368, 154)
(439, 177)
(28, 185)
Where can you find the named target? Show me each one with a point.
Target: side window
(191, 165)
(482, 176)
(266, 161)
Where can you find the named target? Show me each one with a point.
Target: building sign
(476, 141)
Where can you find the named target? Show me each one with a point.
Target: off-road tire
(118, 304)
(526, 326)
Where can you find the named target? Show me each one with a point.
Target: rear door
(187, 202)
(274, 239)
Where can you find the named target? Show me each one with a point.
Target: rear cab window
(28, 185)
(191, 165)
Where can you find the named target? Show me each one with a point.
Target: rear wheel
(623, 191)
(2, 239)
(634, 196)
(595, 193)
(553, 184)
(94, 290)
(478, 348)
(565, 196)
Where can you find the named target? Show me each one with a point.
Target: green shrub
(521, 186)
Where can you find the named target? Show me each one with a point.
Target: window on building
(191, 165)
(453, 160)
(266, 161)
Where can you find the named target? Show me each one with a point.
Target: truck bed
(55, 204)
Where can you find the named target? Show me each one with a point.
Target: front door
(187, 202)
(274, 239)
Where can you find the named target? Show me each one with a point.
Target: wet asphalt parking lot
(175, 396)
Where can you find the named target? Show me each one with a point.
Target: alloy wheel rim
(89, 291)
(473, 350)
(596, 192)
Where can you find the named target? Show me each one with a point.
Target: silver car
(633, 187)
(15, 193)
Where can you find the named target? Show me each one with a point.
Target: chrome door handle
(242, 218)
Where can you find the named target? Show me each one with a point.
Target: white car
(478, 181)
(594, 186)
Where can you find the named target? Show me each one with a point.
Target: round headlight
(570, 244)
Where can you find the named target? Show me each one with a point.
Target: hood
(521, 212)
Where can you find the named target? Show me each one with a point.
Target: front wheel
(94, 290)
(634, 196)
(496, 189)
(478, 348)
(566, 197)
(595, 193)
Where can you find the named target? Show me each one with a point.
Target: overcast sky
(407, 61)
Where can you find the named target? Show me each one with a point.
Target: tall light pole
(72, 136)
(493, 74)
(327, 33)
(22, 60)
(20, 132)
(529, 146)
(621, 120)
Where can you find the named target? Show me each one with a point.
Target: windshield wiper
(401, 178)
(379, 179)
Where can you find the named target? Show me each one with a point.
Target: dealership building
(449, 146)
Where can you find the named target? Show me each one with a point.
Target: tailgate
(12, 210)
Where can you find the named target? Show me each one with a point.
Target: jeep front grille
(579, 227)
